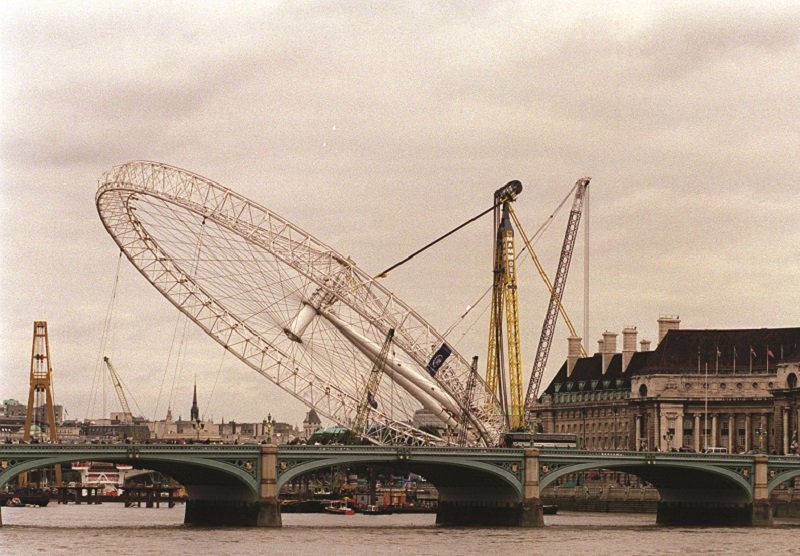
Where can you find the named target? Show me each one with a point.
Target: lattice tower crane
(505, 304)
(127, 415)
(470, 388)
(548, 327)
(544, 276)
(371, 388)
(41, 386)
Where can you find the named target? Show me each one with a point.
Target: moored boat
(550, 509)
(25, 497)
(372, 509)
(340, 507)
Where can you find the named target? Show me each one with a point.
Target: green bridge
(239, 484)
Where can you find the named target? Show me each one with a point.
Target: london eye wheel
(291, 307)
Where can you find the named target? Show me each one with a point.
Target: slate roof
(312, 418)
(678, 353)
(681, 349)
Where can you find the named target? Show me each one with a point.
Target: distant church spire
(195, 413)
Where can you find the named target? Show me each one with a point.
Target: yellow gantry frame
(41, 381)
(505, 300)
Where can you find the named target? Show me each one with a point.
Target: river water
(114, 529)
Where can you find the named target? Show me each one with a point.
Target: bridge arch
(782, 477)
(194, 474)
(653, 473)
(441, 471)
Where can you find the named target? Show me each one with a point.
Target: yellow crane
(505, 308)
(505, 305)
(41, 386)
(369, 397)
(127, 415)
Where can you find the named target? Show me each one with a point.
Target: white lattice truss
(244, 274)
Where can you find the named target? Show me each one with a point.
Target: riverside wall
(612, 497)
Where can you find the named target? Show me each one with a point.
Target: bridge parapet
(239, 484)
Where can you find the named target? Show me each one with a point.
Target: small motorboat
(372, 509)
(339, 507)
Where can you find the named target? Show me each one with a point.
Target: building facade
(311, 424)
(698, 389)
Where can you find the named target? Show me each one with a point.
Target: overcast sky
(377, 126)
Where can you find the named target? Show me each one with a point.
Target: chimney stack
(628, 346)
(667, 323)
(573, 353)
(645, 345)
(609, 348)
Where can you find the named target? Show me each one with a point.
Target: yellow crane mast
(41, 386)
(369, 397)
(505, 307)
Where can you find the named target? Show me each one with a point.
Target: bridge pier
(710, 506)
(269, 514)
(704, 514)
(485, 506)
(236, 513)
(761, 515)
(532, 510)
(217, 507)
(466, 513)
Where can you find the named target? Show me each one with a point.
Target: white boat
(339, 507)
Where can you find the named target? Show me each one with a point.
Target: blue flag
(438, 359)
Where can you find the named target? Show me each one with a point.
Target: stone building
(731, 389)
(311, 424)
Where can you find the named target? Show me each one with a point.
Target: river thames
(113, 529)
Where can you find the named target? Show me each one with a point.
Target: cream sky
(377, 126)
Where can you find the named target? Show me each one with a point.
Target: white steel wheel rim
(242, 273)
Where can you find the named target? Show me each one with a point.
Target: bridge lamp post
(668, 437)
(761, 434)
(266, 427)
(198, 426)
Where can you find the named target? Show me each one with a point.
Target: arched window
(791, 381)
(643, 391)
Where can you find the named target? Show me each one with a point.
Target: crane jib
(548, 327)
